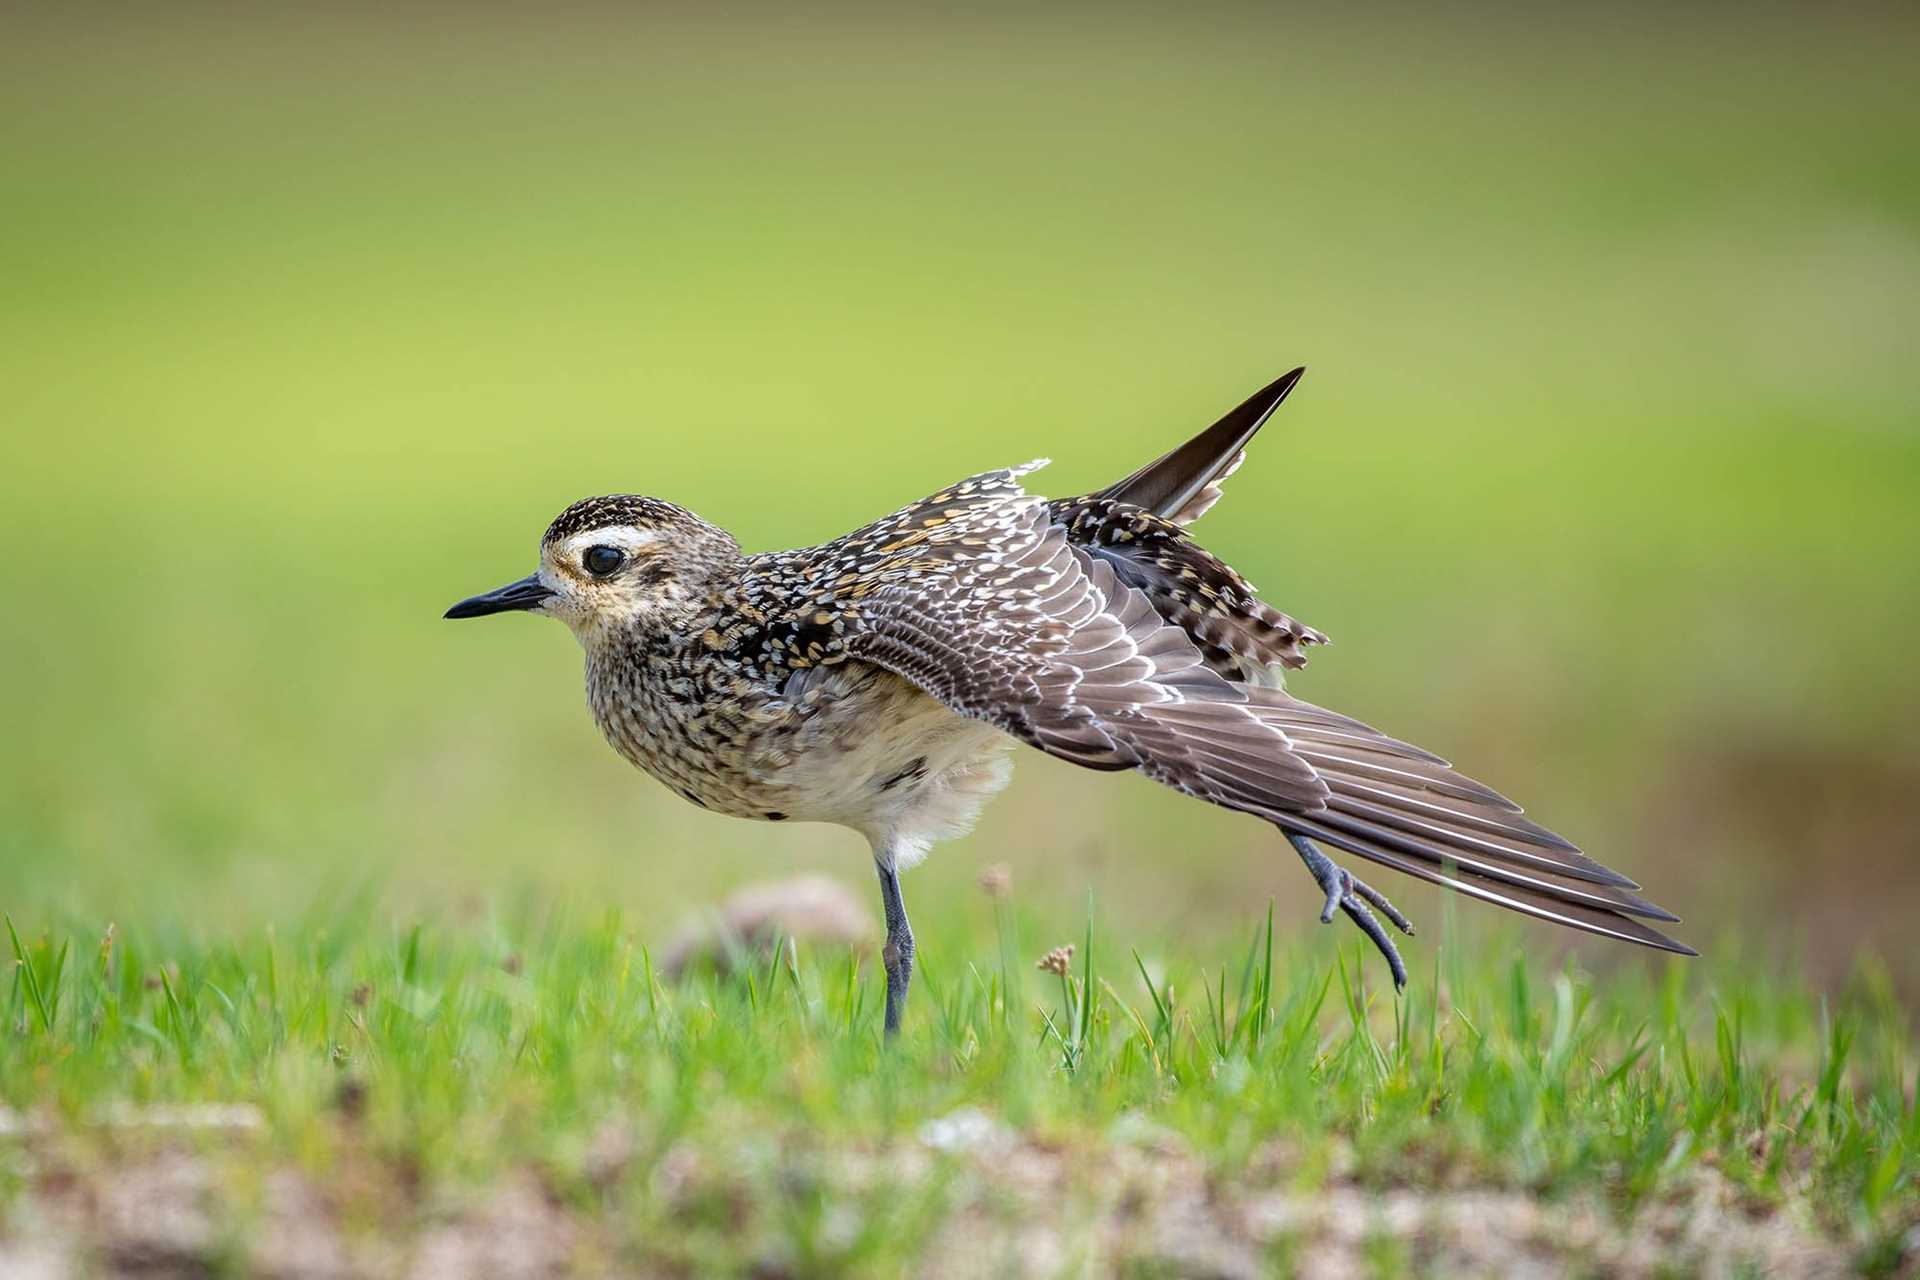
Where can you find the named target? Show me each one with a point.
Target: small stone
(996, 881)
(810, 909)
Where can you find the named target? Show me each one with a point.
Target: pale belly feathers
(849, 744)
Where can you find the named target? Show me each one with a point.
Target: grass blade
(30, 976)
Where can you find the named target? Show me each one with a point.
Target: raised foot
(1347, 892)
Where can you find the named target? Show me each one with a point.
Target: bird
(878, 681)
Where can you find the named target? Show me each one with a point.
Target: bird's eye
(601, 561)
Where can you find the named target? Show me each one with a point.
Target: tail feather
(1181, 485)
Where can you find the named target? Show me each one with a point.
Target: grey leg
(897, 954)
(1349, 894)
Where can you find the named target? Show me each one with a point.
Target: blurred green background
(1603, 477)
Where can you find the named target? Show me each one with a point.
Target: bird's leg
(1347, 892)
(897, 954)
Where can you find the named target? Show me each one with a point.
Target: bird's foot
(1347, 892)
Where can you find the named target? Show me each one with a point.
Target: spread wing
(1006, 619)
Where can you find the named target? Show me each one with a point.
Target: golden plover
(876, 681)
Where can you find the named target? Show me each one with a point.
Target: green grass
(449, 1055)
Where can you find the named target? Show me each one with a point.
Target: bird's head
(609, 564)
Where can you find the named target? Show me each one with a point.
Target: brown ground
(987, 1203)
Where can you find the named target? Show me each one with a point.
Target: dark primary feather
(1181, 485)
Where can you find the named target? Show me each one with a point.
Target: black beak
(524, 594)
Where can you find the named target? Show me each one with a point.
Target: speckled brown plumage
(873, 681)
(1239, 635)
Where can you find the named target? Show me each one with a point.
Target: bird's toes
(1365, 892)
(1357, 912)
(1338, 887)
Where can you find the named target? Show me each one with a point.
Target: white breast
(893, 764)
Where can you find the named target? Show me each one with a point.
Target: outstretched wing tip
(1182, 484)
(1659, 941)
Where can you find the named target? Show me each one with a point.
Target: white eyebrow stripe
(627, 539)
